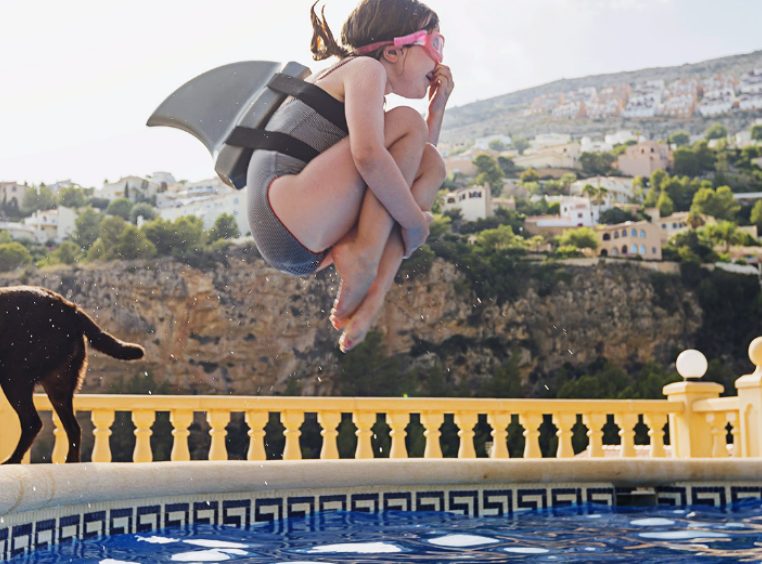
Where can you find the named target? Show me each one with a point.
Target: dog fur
(42, 341)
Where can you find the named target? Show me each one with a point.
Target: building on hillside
(188, 191)
(18, 231)
(573, 212)
(483, 143)
(630, 240)
(134, 188)
(588, 145)
(460, 164)
(748, 198)
(619, 188)
(644, 158)
(209, 209)
(621, 137)
(557, 156)
(52, 225)
(474, 202)
(545, 140)
(12, 194)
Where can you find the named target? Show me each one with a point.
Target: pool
(585, 533)
(478, 510)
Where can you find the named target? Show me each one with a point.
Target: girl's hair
(370, 21)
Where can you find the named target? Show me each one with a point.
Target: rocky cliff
(236, 326)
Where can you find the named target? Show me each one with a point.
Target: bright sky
(80, 77)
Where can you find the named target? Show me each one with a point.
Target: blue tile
(671, 495)
(94, 524)
(267, 510)
(709, 495)
(600, 495)
(4, 543)
(565, 497)
(336, 502)
(399, 501)
(205, 512)
(21, 539)
(120, 521)
(739, 493)
(430, 501)
(497, 503)
(531, 498)
(69, 528)
(236, 512)
(465, 502)
(147, 518)
(368, 503)
(176, 514)
(300, 506)
(44, 533)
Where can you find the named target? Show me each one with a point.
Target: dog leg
(62, 400)
(20, 398)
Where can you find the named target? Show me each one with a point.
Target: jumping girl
(363, 202)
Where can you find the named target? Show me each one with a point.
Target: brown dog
(42, 340)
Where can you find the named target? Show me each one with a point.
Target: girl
(305, 216)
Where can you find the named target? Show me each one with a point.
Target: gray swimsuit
(275, 242)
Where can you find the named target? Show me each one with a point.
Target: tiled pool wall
(24, 531)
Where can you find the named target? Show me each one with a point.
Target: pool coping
(26, 488)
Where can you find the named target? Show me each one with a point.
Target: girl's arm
(364, 90)
(439, 92)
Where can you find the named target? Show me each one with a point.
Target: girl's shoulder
(351, 70)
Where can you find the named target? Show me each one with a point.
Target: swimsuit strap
(314, 96)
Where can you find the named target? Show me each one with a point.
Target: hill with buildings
(654, 101)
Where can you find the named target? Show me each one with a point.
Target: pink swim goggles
(431, 41)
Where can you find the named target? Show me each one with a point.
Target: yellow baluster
(218, 420)
(329, 421)
(397, 421)
(594, 423)
(102, 420)
(466, 422)
(716, 423)
(656, 422)
(61, 442)
(499, 423)
(181, 419)
(626, 422)
(292, 421)
(364, 420)
(531, 423)
(256, 420)
(142, 419)
(431, 422)
(564, 423)
(734, 431)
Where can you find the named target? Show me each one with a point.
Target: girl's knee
(432, 163)
(408, 119)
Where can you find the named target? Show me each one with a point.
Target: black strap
(271, 141)
(314, 96)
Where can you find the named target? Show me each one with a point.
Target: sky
(79, 78)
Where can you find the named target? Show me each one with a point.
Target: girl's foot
(357, 327)
(357, 274)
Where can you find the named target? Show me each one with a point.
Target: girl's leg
(431, 175)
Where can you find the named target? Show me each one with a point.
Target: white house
(52, 225)
(474, 202)
(232, 202)
(619, 188)
(12, 193)
(134, 188)
(620, 137)
(18, 231)
(181, 193)
(557, 156)
(545, 140)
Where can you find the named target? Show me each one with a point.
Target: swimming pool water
(586, 534)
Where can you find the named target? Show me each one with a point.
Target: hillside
(517, 113)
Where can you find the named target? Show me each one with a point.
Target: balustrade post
(102, 420)
(656, 422)
(594, 423)
(142, 419)
(531, 423)
(499, 423)
(735, 433)
(716, 423)
(292, 421)
(364, 421)
(256, 420)
(466, 422)
(750, 405)
(10, 430)
(329, 421)
(60, 442)
(432, 421)
(181, 419)
(218, 421)
(564, 423)
(397, 421)
(626, 422)
(688, 430)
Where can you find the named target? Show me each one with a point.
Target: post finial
(755, 352)
(691, 364)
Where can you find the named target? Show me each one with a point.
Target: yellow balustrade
(696, 417)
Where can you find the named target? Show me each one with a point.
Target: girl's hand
(441, 87)
(414, 238)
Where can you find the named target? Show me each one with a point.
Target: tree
(13, 255)
(497, 145)
(87, 227)
(717, 203)
(178, 238)
(597, 164)
(725, 232)
(521, 144)
(679, 138)
(716, 131)
(121, 207)
(612, 216)
(756, 214)
(132, 244)
(580, 238)
(72, 197)
(489, 173)
(507, 165)
(665, 205)
(144, 210)
(529, 175)
(501, 238)
(225, 227)
(756, 132)
(693, 161)
(41, 198)
(567, 179)
(67, 252)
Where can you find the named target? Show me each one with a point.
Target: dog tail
(106, 342)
